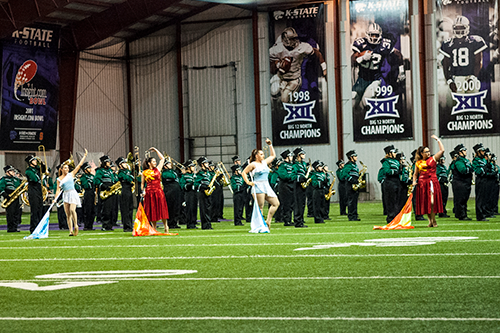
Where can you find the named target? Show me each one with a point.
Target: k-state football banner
(299, 96)
(30, 89)
(468, 71)
(380, 60)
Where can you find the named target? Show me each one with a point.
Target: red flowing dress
(155, 204)
(428, 180)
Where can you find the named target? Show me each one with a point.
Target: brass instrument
(331, 190)
(130, 164)
(308, 181)
(211, 186)
(41, 148)
(116, 188)
(25, 198)
(410, 187)
(226, 179)
(176, 164)
(361, 182)
(78, 182)
(23, 187)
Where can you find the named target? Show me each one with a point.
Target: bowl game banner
(299, 96)
(30, 89)
(380, 62)
(468, 71)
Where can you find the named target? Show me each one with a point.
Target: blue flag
(42, 230)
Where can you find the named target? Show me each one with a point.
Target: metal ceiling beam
(20, 13)
(111, 21)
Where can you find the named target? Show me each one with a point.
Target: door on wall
(210, 104)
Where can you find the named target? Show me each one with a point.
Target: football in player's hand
(284, 65)
(365, 55)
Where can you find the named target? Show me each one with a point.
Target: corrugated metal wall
(101, 121)
(154, 93)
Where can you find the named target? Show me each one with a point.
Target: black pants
(13, 211)
(108, 206)
(391, 191)
(444, 195)
(286, 201)
(238, 204)
(127, 207)
(343, 196)
(299, 205)
(248, 204)
(352, 204)
(319, 204)
(492, 197)
(116, 208)
(309, 201)
(191, 208)
(88, 209)
(205, 210)
(461, 193)
(99, 208)
(36, 204)
(173, 195)
(217, 203)
(481, 198)
(278, 215)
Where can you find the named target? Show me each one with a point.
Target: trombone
(226, 178)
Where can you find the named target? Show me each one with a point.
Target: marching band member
(155, 205)
(8, 184)
(404, 179)
(239, 194)
(115, 197)
(87, 181)
(66, 183)
(462, 183)
(351, 173)
(484, 171)
(103, 180)
(34, 176)
(320, 188)
(287, 176)
(274, 182)
(390, 186)
(442, 174)
(201, 183)
(126, 178)
(190, 195)
(342, 187)
(299, 192)
(173, 193)
(259, 169)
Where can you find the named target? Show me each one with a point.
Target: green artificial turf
(347, 280)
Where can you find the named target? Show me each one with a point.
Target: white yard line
(287, 278)
(260, 257)
(455, 319)
(210, 245)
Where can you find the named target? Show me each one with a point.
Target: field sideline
(335, 277)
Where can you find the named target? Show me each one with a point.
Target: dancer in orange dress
(429, 200)
(155, 204)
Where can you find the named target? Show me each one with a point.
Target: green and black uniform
(103, 180)
(34, 176)
(351, 173)
(9, 184)
(87, 180)
(187, 184)
(390, 171)
(319, 183)
(442, 176)
(239, 195)
(342, 188)
(299, 193)
(287, 176)
(127, 180)
(462, 183)
(485, 176)
(173, 195)
(201, 183)
(274, 183)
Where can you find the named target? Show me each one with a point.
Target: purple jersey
(461, 52)
(370, 70)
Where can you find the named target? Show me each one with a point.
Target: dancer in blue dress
(66, 183)
(259, 170)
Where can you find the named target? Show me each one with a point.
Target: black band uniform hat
(390, 149)
(297, 151)
(189, 163)
(286, 153)
(104, 159)
(339, 162)
(8, 168)
(120, 160)
(202, 160)
(85, 166)
(235, 158)
(236, 168)
(316, 164)
(478, 147)
(29, 158)
(351, 153)
(453, 154)
(459, 148)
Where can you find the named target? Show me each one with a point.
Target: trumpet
(361, 182)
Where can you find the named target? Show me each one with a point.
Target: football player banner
(468, 72)
(380, 53)
(30, 88)
(299, 103)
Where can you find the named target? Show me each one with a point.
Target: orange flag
(142, 226)
(402, 220)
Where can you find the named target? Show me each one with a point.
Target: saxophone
(211, 186)
(308, 181)
(361, 182)
(23, 187)
(331, 190)
(116, 188)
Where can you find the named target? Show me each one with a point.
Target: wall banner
(30, 89)
(468, 72)
(381, 85)
(299, 96)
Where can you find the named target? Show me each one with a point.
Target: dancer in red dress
(155, 204)
(429, 200)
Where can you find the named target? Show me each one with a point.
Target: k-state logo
(299, 112)
(382, 107)
(469, 102)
